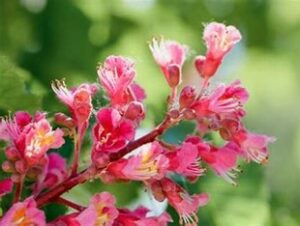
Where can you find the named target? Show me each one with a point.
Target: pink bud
(187, 96)
(174, 113)
(64, 120)
(11, 153)
(207, 67)
(189, 114)
(174, 75)
(135, 110)
(8, 167)
(15, 178)
(20, 166)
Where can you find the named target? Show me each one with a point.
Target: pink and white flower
(170, 56)
(186, 161)
(253, 146)
(219, 40)
(146, 165)
(139, 217)
(78, 99)
(185, 205)
(110, 134)
(101, 211)
(116, 76)
(39, 139)
(23, 213)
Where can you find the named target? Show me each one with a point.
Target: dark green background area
(43, 40)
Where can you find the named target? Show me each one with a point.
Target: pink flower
(185, 204)
(11, 128)
(186, 161)
(139, 217)
(39, 139)
(101, 211)
(219, 40)
(116, 76)
(187, 96)
(223, 100)
(23, 213)
(253, 146)
(54, 173)
(149, 164)
(30, 139)
(79, 100)
(223, 161)
(111, 133)
(6, 187)
(170, 56)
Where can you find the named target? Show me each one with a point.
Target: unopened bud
(16, 178)
(207, 67)
(189, 114)
(11, 153)
(8, 167)
(135, 110)
(64, 120)
(187, 96)
(174, 75)
(20, 166)
(174, 113)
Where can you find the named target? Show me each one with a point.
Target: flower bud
(189, 114)
(64, 120)
(11, 153)
(135, 110)
(187, 96)
(174, 113)
(174, 75)
(8, 167)
(20, 166)
(16, 178)
(207, 66)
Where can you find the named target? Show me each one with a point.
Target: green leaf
(17, 89)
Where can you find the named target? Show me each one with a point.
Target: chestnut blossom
(116, 76)
(54, 173)
(30, 138)
(139, 217)
(110, 133)
(116, 155)
(39, 139)
(186, 161)
(101, 211)
(219, 40)
(23, 213)
(185, 204)
(170, 56)
(78, 99)
(223, 100)
(149, 164)
(253, 146)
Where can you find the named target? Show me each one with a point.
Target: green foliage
(18, 90)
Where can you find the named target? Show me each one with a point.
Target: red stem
(69, 203)
(19, 189)
(82, 177)
(91, 172)
(78, 141)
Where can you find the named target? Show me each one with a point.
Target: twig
(69, 203)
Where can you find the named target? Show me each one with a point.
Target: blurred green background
(41, 40)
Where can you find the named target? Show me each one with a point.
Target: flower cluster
(116, 155)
